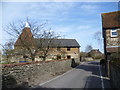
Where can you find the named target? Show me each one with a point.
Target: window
(68, 49)
(114, 33)
(58, 57)
(25, 56)
(41, 56)
(58, 49)
(68, 57)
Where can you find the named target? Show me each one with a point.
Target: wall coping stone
(34, 62)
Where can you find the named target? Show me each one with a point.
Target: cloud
(83, 34)
(61, 0)
(84, 27)
(51, 8)
(76, 31)
(47, 10)
(74, 20)
(90, 8)
(63, 29)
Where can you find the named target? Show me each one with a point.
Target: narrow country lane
(87, 75)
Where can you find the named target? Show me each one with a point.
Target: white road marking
(102, 82)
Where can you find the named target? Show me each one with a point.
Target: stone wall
(112, 41)
(87, 59)
(52, 55)
(32, 73)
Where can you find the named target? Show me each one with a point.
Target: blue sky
(78, 20)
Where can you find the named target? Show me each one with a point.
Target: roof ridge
(110, 12)
(56, 38)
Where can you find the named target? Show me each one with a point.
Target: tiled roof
(26, 37)
(111, 19)
(94, 51)
(59, 42)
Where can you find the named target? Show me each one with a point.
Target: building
(111, 33)
(111, 36)
(60, 48)
(95, 53)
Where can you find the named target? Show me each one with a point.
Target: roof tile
(111, 19)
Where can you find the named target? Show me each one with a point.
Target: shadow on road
(94, 81)
(93, 63)
(91, 67)
(43, 88)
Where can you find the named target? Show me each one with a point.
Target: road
(87, 75)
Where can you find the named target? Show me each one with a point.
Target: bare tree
(98, 36)
(88, 48)
(46, 42)
(39, 42)
(8, 49)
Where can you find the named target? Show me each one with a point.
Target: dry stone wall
(31, 74)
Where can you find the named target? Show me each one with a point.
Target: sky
(74, 20)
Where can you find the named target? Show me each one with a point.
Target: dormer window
(114, 33)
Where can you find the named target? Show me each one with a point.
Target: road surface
(87, 75)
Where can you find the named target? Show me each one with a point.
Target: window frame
(112, 31)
